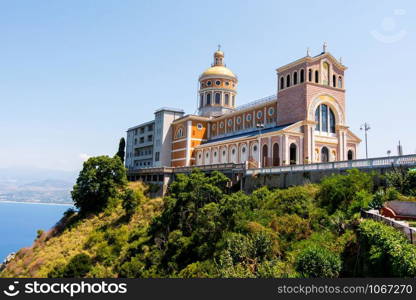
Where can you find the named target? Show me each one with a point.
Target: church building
(305, 122)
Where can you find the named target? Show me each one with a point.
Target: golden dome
(219, 53)
(218, 70)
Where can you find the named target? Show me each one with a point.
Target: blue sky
(74, 75)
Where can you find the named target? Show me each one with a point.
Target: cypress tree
(121, 149)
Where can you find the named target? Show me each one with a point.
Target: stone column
(286, 150)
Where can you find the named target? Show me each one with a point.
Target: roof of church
(247, 134)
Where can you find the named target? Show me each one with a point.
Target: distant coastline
(41, 203)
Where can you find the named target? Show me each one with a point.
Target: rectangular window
(141, 140)
(142, 130)
(150, 127)
(157, 154)
(150, 138)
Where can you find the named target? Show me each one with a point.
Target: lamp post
(259, 126)
(365, 127)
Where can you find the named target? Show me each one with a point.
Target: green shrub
(361, 200)
(387, 250)
(291, 228)
(339, 191)
(77, 267)
(131, 200)
(319, 262)
(39, 233)
(403, 180)
(294, 200)
(198, 269)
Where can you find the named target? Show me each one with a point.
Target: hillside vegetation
(202, 229)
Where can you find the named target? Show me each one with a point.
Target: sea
(20, 221)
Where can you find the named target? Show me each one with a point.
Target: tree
(403, 180)
(101, 178)
(121, 149)
(340, 191)
(317, 261)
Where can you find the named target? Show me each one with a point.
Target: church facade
(305, 122)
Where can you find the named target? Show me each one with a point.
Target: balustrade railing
(250, 167)
(404, 160)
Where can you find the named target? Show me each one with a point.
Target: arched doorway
(276, 158)
(350, 155)
(293, 154)
(324, 155)
(264, 156)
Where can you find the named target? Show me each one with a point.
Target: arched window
(243, 154)
(217, 98)
(209, 99)
(179, 133)
(331, 121)
(276, 157)
(340, 82)
(288, 80)
(310, 75)
(282, 83)
(350, 155)
(324, 155)
(334, 81)
(325, 73)
(316, 76)
(201, 102)
(293, 154)
(227, 99)
(325, 119)
(302, 75)
(295, 78)
(264, 156)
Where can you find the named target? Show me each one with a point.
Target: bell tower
(217, 88)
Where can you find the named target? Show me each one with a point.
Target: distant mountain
(36, 185)
(48, 184)
(25, 175)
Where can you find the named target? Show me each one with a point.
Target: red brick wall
(291, 104)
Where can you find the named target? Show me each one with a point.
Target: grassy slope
(54, 248)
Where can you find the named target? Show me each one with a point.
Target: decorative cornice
(308, 59)
(190, 117)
